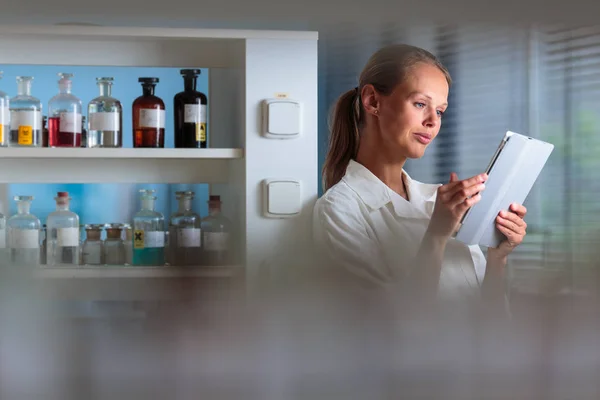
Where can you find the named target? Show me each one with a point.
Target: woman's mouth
(423, 138)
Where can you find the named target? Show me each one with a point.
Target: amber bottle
(148, 117)
(190, 113)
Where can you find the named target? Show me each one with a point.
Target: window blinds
(542, 81)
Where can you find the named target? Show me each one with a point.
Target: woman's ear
(369, 98)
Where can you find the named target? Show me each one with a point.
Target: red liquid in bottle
(56, 138)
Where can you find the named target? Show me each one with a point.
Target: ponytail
(344, 138)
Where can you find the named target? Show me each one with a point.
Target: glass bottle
(44, 131)
(184, 232)
(4, 117)
(216, 235)
(92, 250)
(148, 117)
(62, 234)
(23, 231)
(190, 113)
(25, 116)
(43, 245)
(128, 242)
(148, 233)
(64, 115)
(114, 248)
(83, 132)
(105, 118)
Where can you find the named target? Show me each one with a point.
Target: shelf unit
(124, 272)
(245, 67)
(119, 165)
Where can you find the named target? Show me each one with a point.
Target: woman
(387, 229)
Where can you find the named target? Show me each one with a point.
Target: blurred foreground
(302, 335)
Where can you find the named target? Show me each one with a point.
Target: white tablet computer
(513, 170)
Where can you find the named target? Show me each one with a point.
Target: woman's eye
(420, 105)
(440, 113)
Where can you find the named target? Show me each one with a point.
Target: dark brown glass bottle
(190, 113)
(148, 117)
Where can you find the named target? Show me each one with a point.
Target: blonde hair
(385, 69)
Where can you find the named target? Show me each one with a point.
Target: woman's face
(410, 117)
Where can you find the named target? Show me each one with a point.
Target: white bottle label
(154, 239)
(188, 237)
(67, 237)
(32, 119)
(24, 239)
(4, 116)
(104, 121)
(194, 113)
(216, 241)
(70, 122)
(152, 118)
(2, 238)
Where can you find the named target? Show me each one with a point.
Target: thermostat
(282, 198)
(281, 118)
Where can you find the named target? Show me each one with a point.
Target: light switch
(282, 198)
(281, 118)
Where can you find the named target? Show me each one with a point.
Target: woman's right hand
(453, 200)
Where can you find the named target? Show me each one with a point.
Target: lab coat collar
(376, 194)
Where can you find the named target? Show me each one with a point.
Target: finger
(510, 225)
(513, 238)
(511, 216)
(518, 209)
(453, 185)
(468, 203)
(465, 194)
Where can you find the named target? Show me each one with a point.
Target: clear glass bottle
(128, 242)
(4, 117)
(105, 118)
(148, 117)
(43, 245)
(64, 115)
(23, 231)
(25, 116)
(62, 234)
(114, 248)
(92, 250)
(184, 232)
(83, 132)
(216, 235)
(148, 233)
(190, 113)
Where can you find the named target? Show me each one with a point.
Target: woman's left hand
(512, 225)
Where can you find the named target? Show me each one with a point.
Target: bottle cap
(105, 79)
(62, 194)
(214, 198)
(65, 77)
(190, 72)
(148, 80)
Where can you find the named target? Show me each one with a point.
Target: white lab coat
(373, 232)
